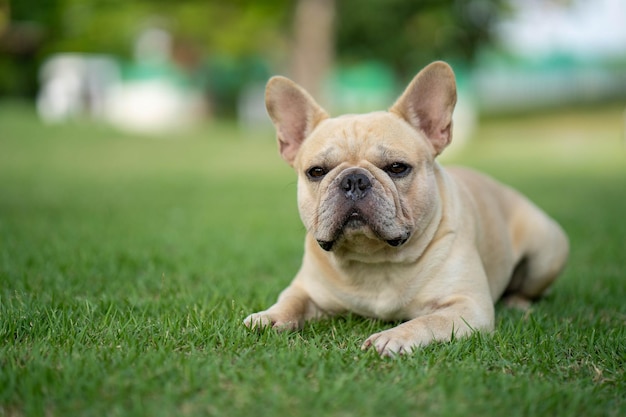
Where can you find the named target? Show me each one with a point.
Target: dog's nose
(356, 185)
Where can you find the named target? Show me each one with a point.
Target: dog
(393, 235)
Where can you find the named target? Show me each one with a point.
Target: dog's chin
(356, 228)
(355, 221)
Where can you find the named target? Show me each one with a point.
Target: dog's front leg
(293, 308)
(457, 316)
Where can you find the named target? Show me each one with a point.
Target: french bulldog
(393, 235)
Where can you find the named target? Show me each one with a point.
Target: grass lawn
(127, 265)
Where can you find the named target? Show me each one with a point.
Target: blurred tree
(402, 33)
(237, 28)
(407, 34)
(20, 39)
(313, 43)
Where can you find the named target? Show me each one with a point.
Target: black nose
(356, 186)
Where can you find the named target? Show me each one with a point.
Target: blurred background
(157, 66)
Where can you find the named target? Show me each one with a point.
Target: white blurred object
(464, 122)
(152, 106)
(582, 28)
(75, 84)
(153, 100)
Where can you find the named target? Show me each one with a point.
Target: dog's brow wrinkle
(326, 156)
(384, 152)
(388, 154)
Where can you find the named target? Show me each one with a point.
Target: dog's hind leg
(542, 247)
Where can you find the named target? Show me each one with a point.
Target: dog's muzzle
(356, 186)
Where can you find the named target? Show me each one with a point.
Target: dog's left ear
(428, 102)
(294, 114)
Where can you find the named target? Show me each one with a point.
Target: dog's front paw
(400, 340)
(388, 344)
(265, 319)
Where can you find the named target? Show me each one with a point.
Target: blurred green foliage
(407, 34)
(404, 34)
(236, 29)
(109, 26)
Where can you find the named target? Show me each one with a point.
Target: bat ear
(294, 114)
(428, 102)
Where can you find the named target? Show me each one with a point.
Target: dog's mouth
(356, 220)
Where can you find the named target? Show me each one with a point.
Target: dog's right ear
(294, 114)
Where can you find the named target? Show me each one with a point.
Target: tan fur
(435, 248)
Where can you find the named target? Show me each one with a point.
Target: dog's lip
(327, 245)
(354, 220)
(399, 241)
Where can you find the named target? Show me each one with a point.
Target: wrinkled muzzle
(357, 204)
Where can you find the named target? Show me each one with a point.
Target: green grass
(128, 263)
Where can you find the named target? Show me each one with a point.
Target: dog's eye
(316, 173)
(397, 169)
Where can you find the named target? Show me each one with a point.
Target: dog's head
(366, 182)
